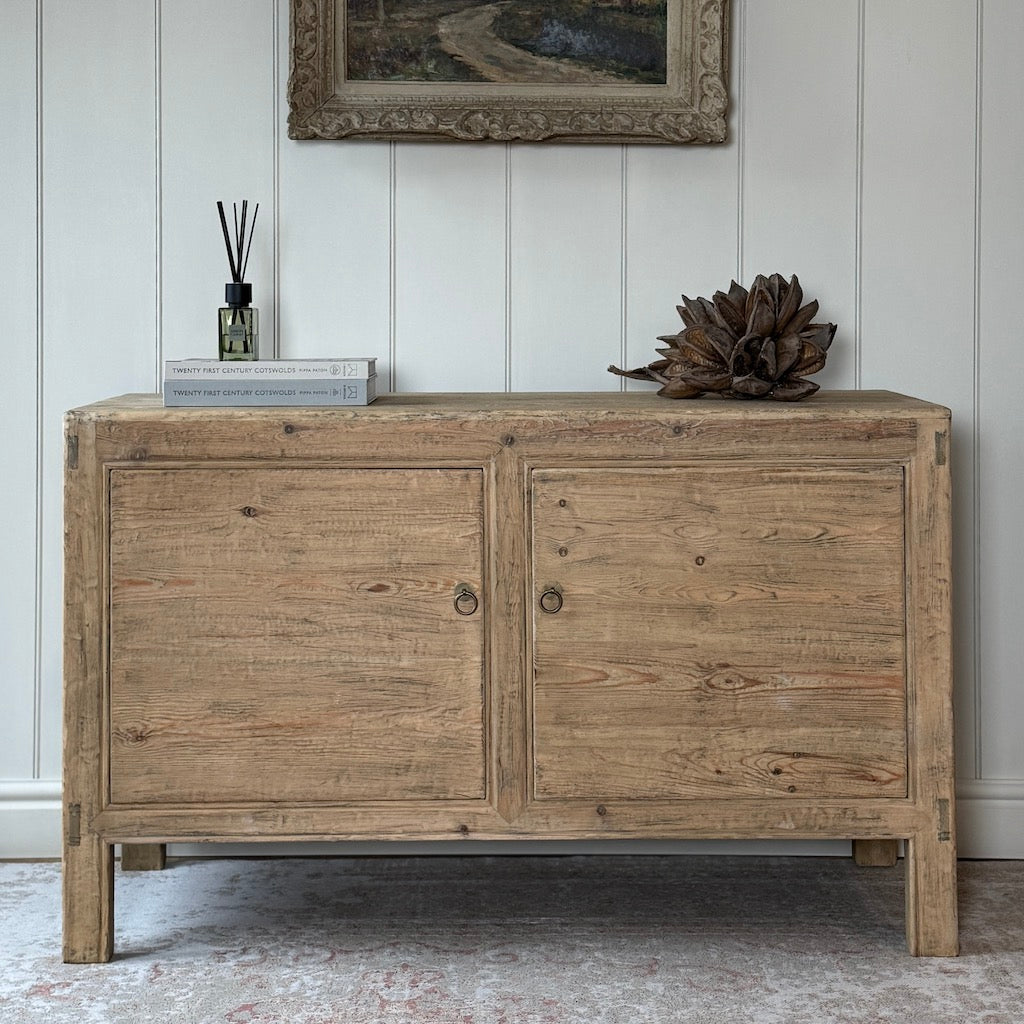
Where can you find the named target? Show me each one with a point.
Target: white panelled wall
(875, 149)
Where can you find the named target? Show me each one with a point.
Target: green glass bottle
(238, 323)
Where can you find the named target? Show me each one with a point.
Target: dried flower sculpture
(745, 344)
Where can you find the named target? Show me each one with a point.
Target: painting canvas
(531, 70)
(558, 42)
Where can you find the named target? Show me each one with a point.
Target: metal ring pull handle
(466, 601)
(551, 601)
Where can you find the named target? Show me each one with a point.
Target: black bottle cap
(238, 294)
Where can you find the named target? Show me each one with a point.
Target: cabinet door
(292, 634)
(721, 631)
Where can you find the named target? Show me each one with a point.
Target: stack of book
(209, 382)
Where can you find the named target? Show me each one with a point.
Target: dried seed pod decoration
(756, 343)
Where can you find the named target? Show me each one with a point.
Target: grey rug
(514, 940)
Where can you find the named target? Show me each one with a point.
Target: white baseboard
(990, 819)
(990, 826)
(30, 814)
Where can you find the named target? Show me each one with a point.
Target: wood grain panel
(143, 857)
(308, 645)
(931, 874)
(553, 819)
(509, 722)
(87, 861)
(18, 395)
(722, 629)
(598, 426)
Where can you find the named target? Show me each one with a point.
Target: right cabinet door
(719, 631)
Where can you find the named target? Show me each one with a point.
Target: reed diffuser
(238, 323)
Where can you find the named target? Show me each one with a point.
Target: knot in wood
(249, 511)
(289, 429)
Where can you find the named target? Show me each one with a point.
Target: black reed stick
(252, 228)
(227, 241)
(242, 245)
(241, 236)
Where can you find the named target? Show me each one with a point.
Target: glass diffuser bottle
(238, 323)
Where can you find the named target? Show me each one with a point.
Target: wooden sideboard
(568, 616)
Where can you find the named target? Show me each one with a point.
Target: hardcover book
(359, 368)
(249, 391)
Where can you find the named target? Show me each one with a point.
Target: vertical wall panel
(1001, 420)
(450, 274)
(334, 244)
(18, 404)
(334, 251)
(566, 267)
(681, 226)
(799, 124)
(918, 251)
(680, 238)
(494, 266)
(99, 262)
(217, 142)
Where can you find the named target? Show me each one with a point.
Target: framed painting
(511, 70)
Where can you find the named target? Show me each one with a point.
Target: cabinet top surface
(499, 405)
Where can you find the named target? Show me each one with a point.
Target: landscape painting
(556, 42)
(602, 71)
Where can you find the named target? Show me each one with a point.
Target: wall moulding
(465, 70)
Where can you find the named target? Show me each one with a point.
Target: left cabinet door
(294, 634)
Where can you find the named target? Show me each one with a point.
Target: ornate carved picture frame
(513, 70)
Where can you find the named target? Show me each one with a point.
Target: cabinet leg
(143, 856)
(88, 880)
(931, 896)
(875, 853)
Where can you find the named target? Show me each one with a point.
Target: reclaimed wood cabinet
(568, 616)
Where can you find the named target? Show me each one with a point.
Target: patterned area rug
(514, 940)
